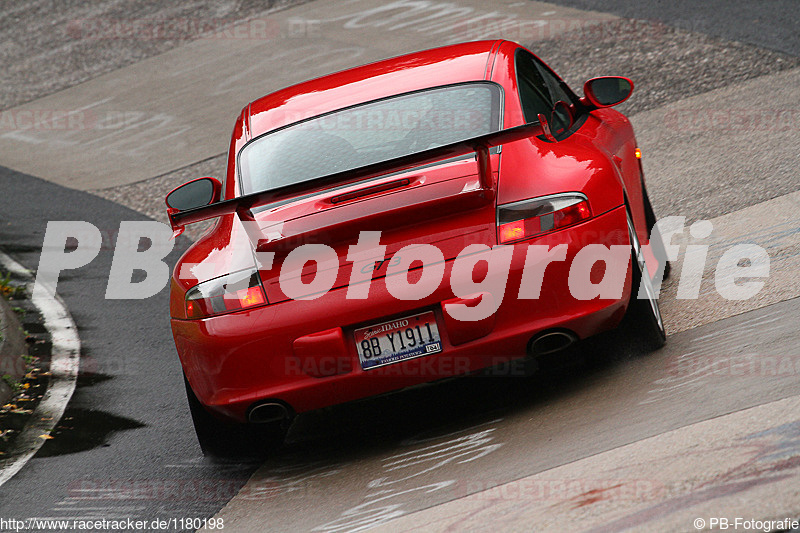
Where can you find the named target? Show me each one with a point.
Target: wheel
(643, 314)
(221, 439)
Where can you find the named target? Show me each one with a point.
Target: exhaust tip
(267, 412)
(552, 341)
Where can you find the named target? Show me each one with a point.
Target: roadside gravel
(48, 45)
(147, 196)
(667, 65)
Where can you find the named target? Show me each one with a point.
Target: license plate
(398, 340)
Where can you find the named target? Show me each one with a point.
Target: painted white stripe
(64, 363)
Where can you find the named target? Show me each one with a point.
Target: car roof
(419, 70)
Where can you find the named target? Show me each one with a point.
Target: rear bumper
(235, 360)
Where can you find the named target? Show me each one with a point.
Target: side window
(540, 90)
(533, 91)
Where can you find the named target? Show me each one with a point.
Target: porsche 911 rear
(394, 238)
(332, 349)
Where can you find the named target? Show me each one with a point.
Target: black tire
(230, 440)
(650, 218)
(643, 315)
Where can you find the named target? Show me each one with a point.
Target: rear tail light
(531, 218)
(233, 292)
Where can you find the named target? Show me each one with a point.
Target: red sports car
(413, 219)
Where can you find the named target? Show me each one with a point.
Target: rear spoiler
(242, 206)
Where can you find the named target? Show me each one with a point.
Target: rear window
(369, 133)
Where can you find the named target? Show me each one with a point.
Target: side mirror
(196, 193)
(607, 91)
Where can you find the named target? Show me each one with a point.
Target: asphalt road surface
(129, 382)
(704, 427)
(769, 23)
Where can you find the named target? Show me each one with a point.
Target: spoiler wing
(243, 205)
